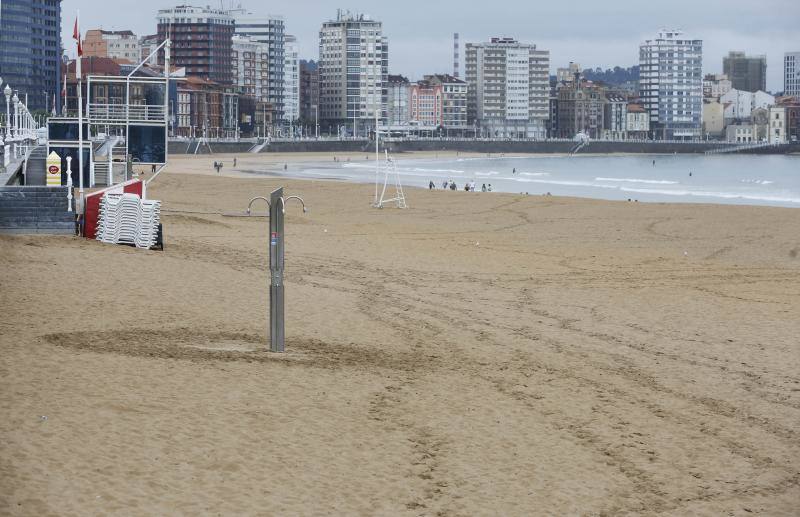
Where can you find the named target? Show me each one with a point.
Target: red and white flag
(76, 35)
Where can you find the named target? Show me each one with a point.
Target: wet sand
(476, 354)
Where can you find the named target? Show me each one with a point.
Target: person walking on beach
(489, 188)
(514, 171)
(452, 185)
(483, 188)
(431, 186)
(234, 162)
(472, 186)
(444, 185)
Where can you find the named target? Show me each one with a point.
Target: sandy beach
(476, 354)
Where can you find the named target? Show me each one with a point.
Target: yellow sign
(53, 170)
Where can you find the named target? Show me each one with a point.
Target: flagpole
(80, 107)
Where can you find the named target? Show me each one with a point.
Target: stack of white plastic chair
(107, 220)
(128, 214)
(150, 215)
(126, 219)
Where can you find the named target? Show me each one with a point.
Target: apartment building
(670, 84)
(270, 30)
(747, 73)
(121, 46)
(791, 74)
(397, 110)
(453, 100)
(147, 45)
(250, 67)
(291, 82)
(508, 88)
(309, 91)
(353, 71)
(201, 41)
(581, 109)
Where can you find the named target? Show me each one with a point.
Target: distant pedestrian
(285, 166)
(234, 162)
(452, 185)
(654, 163)
(472, 186)
(444, 185)
(489, 188)
(466, 187)
(153, 168)
(514, 171)
(431, 186)
(483, 188)
(690, 174)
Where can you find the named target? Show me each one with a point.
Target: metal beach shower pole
(277, 209)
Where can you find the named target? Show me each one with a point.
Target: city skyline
(615, 31)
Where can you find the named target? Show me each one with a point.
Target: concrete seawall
(352, 146)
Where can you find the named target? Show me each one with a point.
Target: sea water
(735, 179)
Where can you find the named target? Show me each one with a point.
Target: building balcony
(118, 113)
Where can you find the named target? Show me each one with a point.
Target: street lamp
(15, 102)
(7, 92)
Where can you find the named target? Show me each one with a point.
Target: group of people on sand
(468, 186)
(218, 165)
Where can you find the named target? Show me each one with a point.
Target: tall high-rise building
(791, 74)
(291, 71)
(353, 71)
(201, 41)
(121, 46)
(268, 29)
(747, 73)
(30, 55)
(309, 91)
(671, 84)
(508, 88)
(250, 66)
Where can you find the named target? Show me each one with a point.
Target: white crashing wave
(721, 195)
(638, 180)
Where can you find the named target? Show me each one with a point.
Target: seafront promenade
(493, 146)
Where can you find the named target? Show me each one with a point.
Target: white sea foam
(489, 173)
(759, 182)
(721, 195)
(638, 180)
(566, 183)
(535, 173)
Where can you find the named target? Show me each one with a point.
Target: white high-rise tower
(671, 84)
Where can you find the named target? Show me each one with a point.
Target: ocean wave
(565, 183)
(721, 195)
(535, 173)
(484, 174)
(759, 182)
(638, 180)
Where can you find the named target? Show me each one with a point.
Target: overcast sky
(592, 33)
